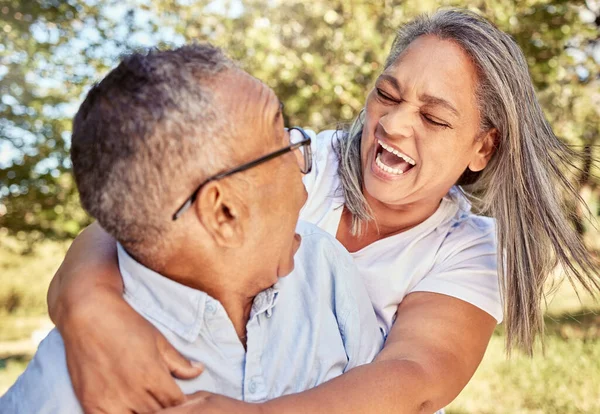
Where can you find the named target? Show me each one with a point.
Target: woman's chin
(382, 191)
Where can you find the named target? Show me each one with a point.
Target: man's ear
(220, 214)
(485, 147)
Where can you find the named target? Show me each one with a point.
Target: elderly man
(184, 159)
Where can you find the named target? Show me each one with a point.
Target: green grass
(24, 280)
(565, 379)
(10, 368)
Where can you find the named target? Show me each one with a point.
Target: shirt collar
(265, 301)
(180, 308)
(457, 196)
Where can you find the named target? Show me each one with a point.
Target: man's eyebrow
(279, 113)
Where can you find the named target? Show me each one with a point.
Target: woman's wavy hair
(525, 186)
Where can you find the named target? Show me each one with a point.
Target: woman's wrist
(78, 302)
(90, 267)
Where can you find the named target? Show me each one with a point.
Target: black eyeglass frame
(306, 142)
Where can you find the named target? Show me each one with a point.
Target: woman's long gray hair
(524, 186)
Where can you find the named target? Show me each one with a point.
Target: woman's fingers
(176, 363)
(118, 361)
(198, 396)
(166, 391)
(151, 403)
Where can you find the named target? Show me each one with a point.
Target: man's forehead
(250, 105)
(244, 91)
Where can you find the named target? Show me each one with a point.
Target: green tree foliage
(39, 81)
(319, 56)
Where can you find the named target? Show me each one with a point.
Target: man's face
(273, 192)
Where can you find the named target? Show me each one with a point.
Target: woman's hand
(207, 403)
(120, 363)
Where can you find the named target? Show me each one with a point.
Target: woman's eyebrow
(392, 81)
(434, 100)
(426, 98)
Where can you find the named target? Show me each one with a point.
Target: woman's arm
(92, 249)
(432, 351)
(117, 360)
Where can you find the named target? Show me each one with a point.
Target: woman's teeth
(397, 153)
(403, 162)
(385, 168)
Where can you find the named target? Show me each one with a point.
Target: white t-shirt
(453, 252)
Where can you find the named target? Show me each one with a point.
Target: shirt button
(252, 387)
(211, 306)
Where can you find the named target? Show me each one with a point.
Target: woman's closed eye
(390, 100)
(434, 121)
(385, 97)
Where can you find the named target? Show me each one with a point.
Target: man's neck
(238, 310)
(236, 302)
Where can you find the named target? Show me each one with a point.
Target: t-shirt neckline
(425, 227)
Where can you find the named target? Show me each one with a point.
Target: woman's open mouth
(391, 160)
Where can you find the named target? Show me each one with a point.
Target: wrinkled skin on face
(272, 193)
(422, 127)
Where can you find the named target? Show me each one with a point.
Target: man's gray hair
(524, 186)
(148, 130)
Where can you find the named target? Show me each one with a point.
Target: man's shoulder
(322, 264)
(318, 244)
(306, 229)
(45, 386)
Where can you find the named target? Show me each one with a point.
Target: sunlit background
(320, 57)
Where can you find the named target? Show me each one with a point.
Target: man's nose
(304, 195)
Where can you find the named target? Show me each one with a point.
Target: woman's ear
(220, 215)
(484, 149)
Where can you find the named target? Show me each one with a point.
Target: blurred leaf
(320, 57)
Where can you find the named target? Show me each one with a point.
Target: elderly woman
(452, 118)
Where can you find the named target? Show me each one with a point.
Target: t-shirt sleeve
(467, 267)
(45, 386)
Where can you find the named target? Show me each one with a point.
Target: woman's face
(421, 128)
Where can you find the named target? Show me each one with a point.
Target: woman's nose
(399, 121)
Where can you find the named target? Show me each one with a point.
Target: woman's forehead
(433, 67)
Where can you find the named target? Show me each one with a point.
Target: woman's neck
(388, 221)
(393, 219)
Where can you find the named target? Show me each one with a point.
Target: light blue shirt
(313, 325)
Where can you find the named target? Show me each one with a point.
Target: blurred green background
(320, 57)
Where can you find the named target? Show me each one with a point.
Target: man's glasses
(299, 145)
